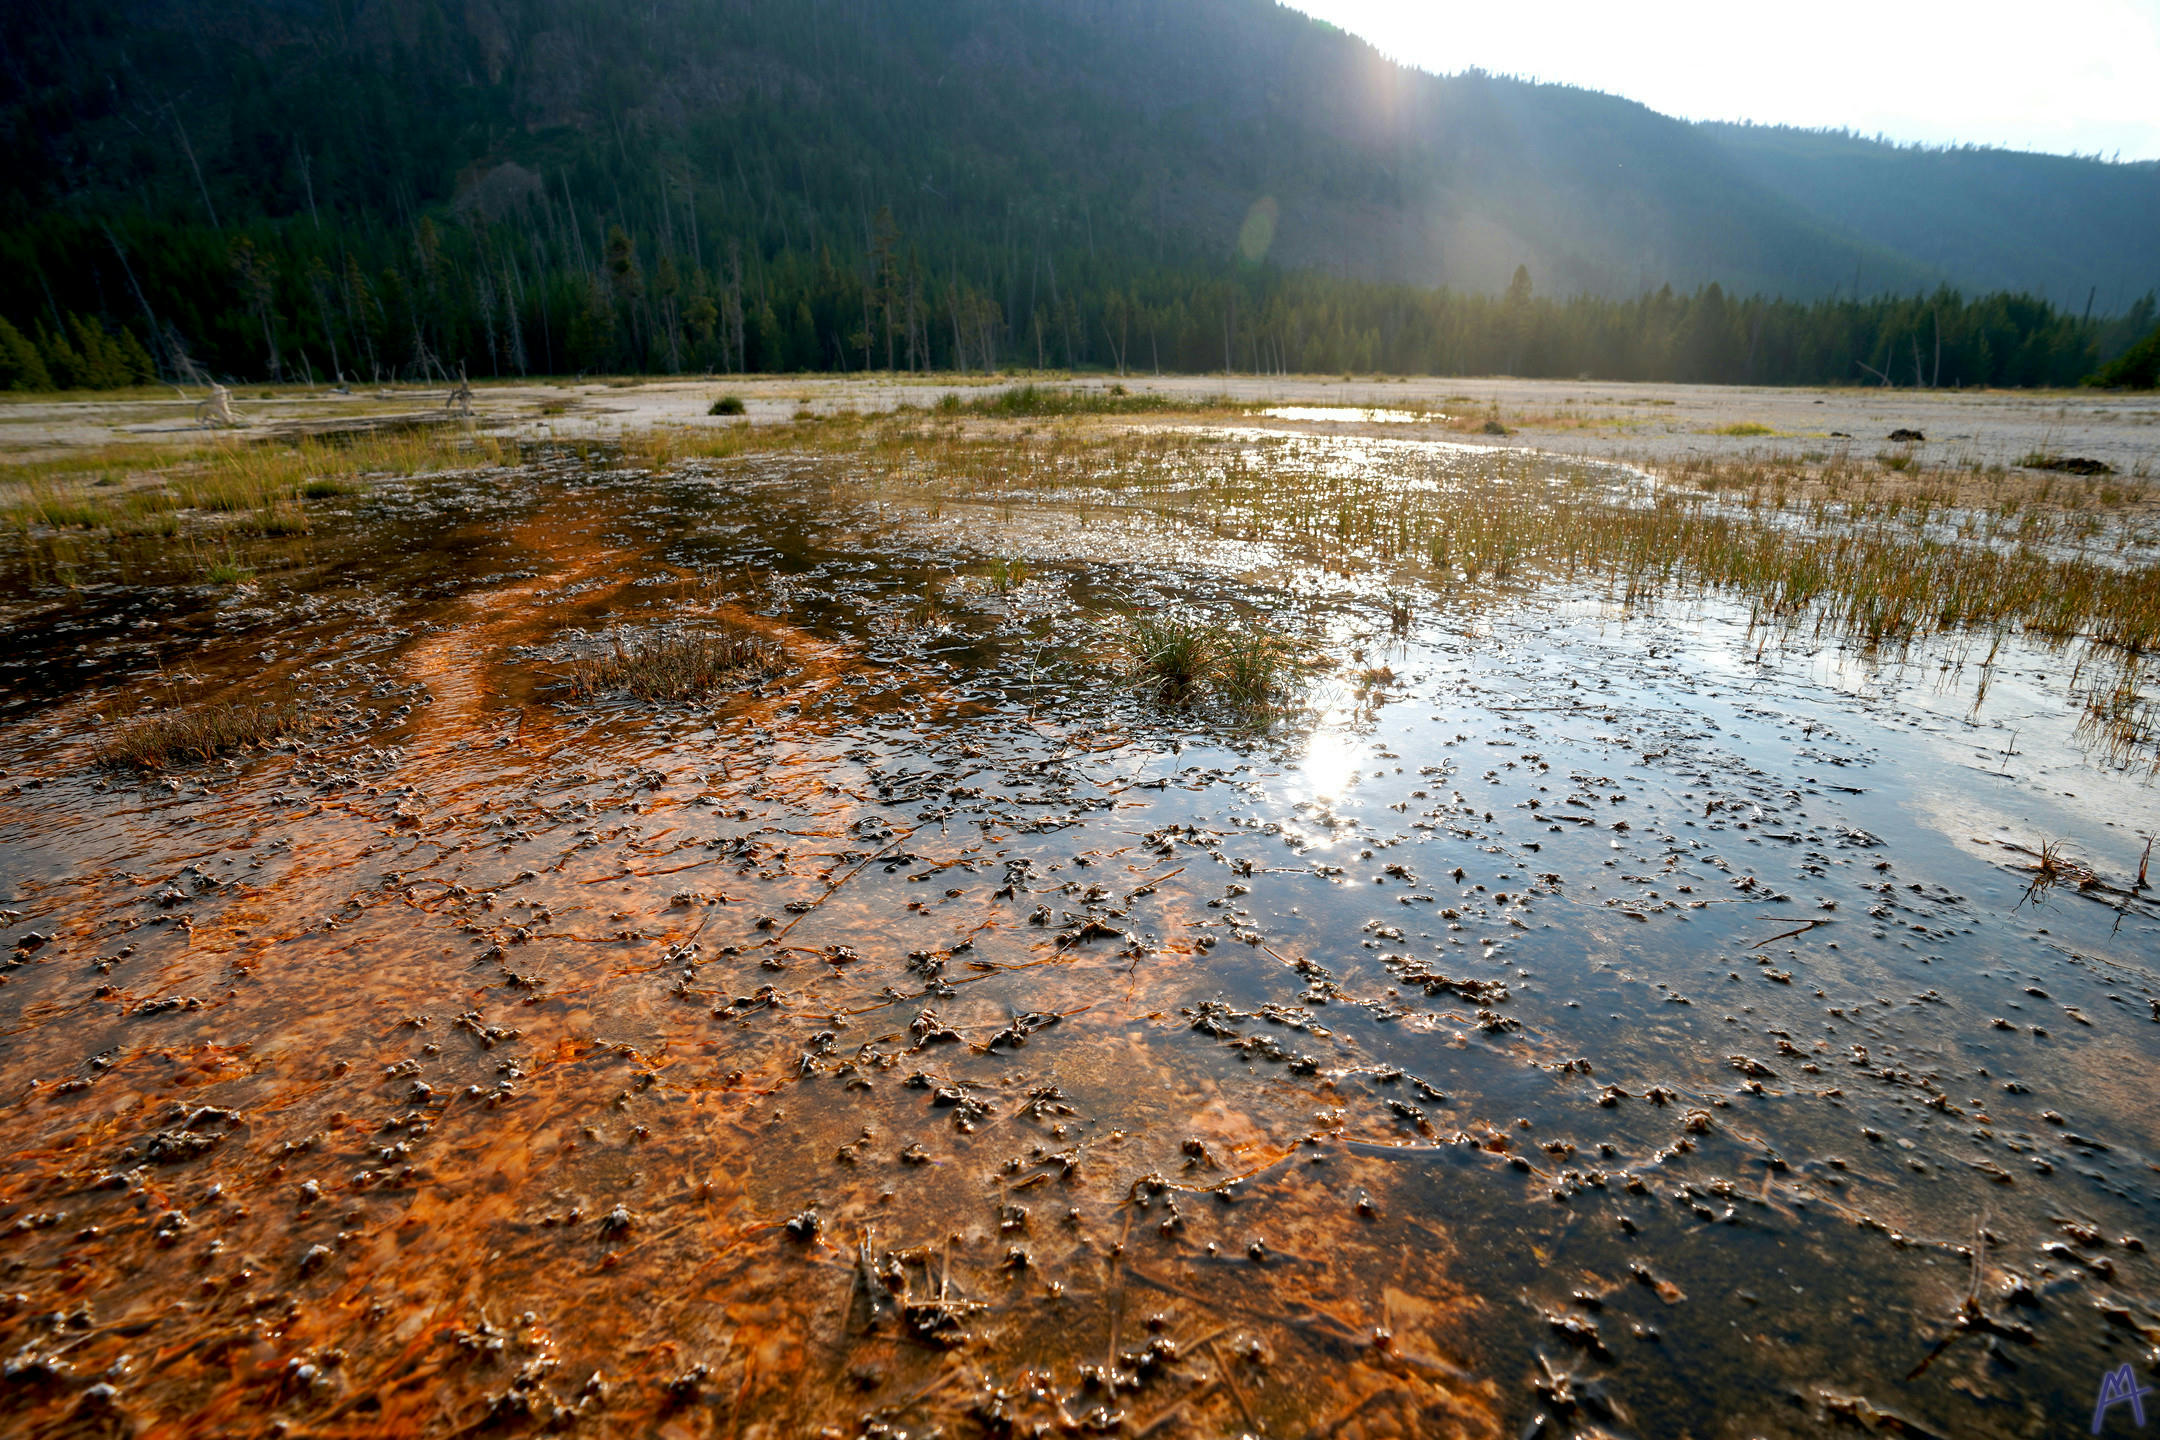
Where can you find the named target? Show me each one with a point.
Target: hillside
(485, 168)
(2069, 229)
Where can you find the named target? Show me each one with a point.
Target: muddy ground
(1577, 1018)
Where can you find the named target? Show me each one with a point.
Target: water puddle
(1354, 415)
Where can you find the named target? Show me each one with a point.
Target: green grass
(1744, 428)
(727, 405)
(1182, 657)
(228, 571)
(1008, 574)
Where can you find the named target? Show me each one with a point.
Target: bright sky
(2056, 75)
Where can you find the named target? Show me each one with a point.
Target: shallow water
(1354, 415)
(1585, 1020)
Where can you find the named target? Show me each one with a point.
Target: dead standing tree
(216, 413)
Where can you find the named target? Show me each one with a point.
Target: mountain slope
(2050, 225)
(1173, 119)
(397, 184)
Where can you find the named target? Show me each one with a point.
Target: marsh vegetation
(678, 667)
(167, 739)
(259, 487)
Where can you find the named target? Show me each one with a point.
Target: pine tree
(21, 367)
(61, 361)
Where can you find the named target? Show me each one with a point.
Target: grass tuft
(228, 571)
(676, 668)
(161, 741)
(1183, 657)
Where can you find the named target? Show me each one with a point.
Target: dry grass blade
(161, 741)
(675, 668)
(2052, 866)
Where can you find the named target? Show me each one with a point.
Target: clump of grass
(2053, 865)
(1171, 651)
(1185, 656)
(2122, 721)
(1037, 402)
(727, 405)
(1257, 673)
(173, 737)
(281, 517)
(2064, 464)
(1744, 428)
(228, 571)
(1008, 574)
(672, 668)
(657, 448)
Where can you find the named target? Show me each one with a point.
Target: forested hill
(2074, 230)
(380, 186)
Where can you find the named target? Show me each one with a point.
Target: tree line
(559, 288)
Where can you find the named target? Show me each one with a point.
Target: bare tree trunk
(307, 178)
(959, 346)
(322, 308)
(189, 150)
(157, 339)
